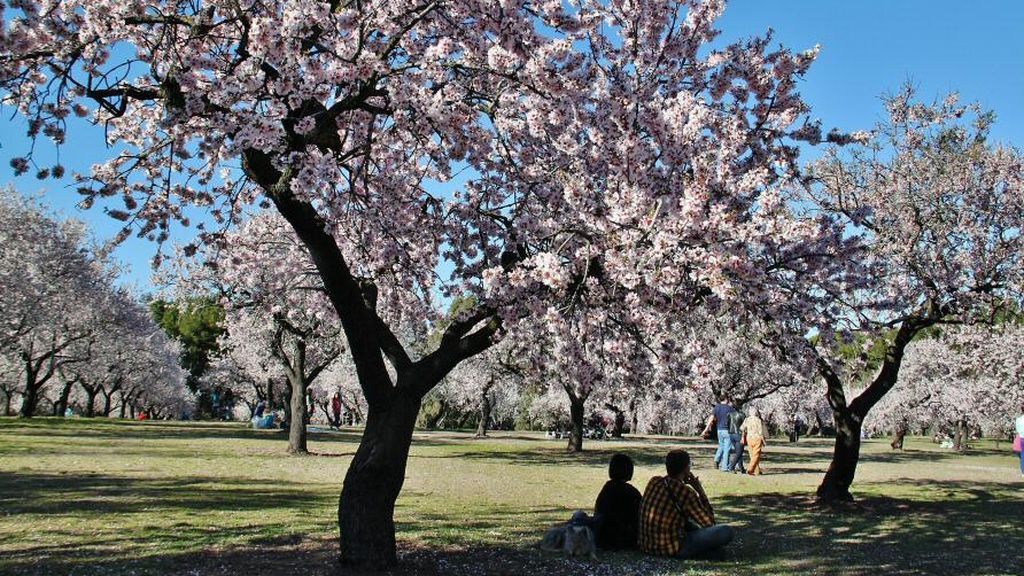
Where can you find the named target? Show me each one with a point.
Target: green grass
(113, 497)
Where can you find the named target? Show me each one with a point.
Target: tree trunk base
(833, 495)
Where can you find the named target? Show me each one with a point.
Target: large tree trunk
(123, 411)
(849, 417)
(297, 417)
(60, 408)
(90, 401)
(962, 435)
(30, 398)
(374, 480)
(106, 403)
(899, 436)
(7, 403)
(485, 412)
(845, 455)
(576, 417)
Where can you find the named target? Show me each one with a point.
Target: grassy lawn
(109, 497)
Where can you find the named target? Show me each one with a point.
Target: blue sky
(868, 48)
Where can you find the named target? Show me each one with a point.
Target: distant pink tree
(124, 359)
(276, 311)
(53, 284)
(488, 384)
(967, 377)
(939, 210)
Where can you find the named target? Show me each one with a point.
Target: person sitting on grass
(618, 507)
(676, 518)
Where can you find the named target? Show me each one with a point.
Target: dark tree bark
(297, 419)
(849, 417)
(619, 423)
(376, 473)
(962, 435)
(61, 406)
(576, 412)
(372, 484)
(845, 455)
(39, 370)
(297, 386)
(35, 378)
(899, 436)
(106, 402)
(485, 409)
(90, 399)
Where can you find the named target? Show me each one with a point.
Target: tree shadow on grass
(963, 528)
(949, 528)
(22, 493)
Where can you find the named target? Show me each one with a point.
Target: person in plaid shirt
(676, 518)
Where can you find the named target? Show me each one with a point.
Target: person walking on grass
(1019, 440)
(720, 417)
(736, 418)
(753, 436)
(676, 518)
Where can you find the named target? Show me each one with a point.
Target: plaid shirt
(667, 504)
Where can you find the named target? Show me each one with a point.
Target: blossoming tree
(276, 310)
(940, 210)
(53, 285)
(614, 159)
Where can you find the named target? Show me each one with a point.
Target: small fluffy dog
(575, 539)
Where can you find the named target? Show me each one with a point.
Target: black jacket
(618, 514)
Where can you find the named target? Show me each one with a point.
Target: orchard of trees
(531, 212)
(71, 338)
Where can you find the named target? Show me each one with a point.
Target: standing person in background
(736, 418)
(336, 409)
(721, 415)
(1019, 440)
(753, 431)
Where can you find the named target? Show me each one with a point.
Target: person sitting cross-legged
(676, 518)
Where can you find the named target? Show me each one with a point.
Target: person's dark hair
(676, 461)
(620, 468)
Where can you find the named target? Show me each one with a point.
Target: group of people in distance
(735, 431)
(673, 517)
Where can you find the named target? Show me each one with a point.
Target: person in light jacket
(753, 430)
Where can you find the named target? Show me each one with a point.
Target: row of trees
(70, 337)
(623, 180)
